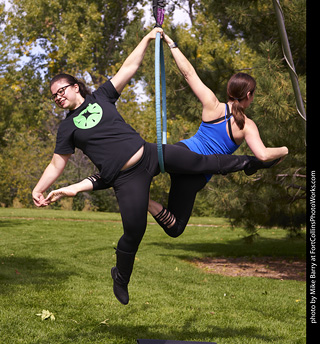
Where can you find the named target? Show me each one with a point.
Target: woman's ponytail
(238, 87)
(238, 113)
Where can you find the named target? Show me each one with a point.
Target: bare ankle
(154, 207)
(165, 218)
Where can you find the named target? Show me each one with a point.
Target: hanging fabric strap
(161, 114)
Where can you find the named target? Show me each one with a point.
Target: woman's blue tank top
(212, 138)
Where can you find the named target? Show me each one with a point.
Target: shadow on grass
(10, 223)
(23, 271)
(129, 333)
(238, 248)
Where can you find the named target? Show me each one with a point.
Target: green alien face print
(89, 117)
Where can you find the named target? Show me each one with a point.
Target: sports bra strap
(229, 124)
(228, 112)
(226, 116)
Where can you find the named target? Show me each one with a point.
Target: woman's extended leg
(183, 161)
(182, 195)
(184, 187)
(132, 192)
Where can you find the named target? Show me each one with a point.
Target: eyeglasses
(61, 91)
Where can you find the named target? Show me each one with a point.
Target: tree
(277, 196)
(219, 44)
(78, 37)
(255, 22)
(39, 39)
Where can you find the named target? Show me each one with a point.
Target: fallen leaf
(104, 322)
(45, 315)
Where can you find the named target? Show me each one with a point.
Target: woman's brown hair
(71, 80)
(238, 87)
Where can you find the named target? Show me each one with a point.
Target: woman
(125, 161)
(224, 127)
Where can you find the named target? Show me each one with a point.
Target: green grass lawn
(60, 261)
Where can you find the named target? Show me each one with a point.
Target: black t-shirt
(97, 128)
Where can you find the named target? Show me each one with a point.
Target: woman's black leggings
(132, 185)
(182, 195)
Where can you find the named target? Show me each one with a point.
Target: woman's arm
(69, 191)
(252, 137)
(133, 61)
(94, 182)
(49, 176)
(208, 99)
